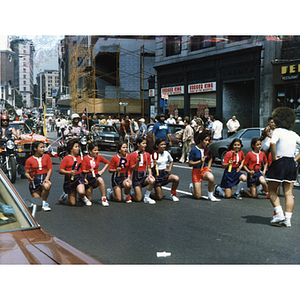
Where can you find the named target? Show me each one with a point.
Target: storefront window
(200, 42)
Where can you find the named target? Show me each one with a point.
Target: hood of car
(37, 247)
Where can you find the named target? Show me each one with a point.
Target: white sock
(278, 210)
(288, 215)
(210, 194)
(44, 202)
(240, 186)
(221, 191)
(147, 194)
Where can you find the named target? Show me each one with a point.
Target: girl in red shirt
(38, 170)
(74, 180)
(252, 165)
(140, 162)
(90, 165)
(233, 163)
(120, 169)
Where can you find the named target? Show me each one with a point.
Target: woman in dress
(90, 166)
(71, 167)
(38, 170)
(163, 163)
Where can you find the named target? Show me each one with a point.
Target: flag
(54, 91)
(84, 115)
(51, 152)
(60, 141)
(24, 116)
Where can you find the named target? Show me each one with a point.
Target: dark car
(106, 136)
(176, 148)
(22, 241)
(219, 148)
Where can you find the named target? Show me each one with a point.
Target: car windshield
(106, 129)
(13, 215)
(21, 127)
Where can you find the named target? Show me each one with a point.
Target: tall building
(23, 69)
(46, 81)
(6, 72)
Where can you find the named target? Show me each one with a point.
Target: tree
(18, 100)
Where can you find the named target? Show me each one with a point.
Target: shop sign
(151, 92)
(290, 72)
(202, 87)
(174, 90)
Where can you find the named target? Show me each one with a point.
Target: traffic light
(44, 99)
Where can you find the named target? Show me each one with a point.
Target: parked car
(219, 148)
(22, 241)
(176, 149)
(27, 139)
(106, 136)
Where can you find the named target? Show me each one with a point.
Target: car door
(247, 136)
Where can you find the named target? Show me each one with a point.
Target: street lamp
(124, 104)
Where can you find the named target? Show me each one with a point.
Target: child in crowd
(201, 168)
(252, 165)
(283, 168)
(233, 163)
(90, 165)
(38, 170)
(121, 171)
(74, 180)
(161, 171)
(140, 163)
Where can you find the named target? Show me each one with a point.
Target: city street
(193, 231)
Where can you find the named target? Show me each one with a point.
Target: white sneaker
(105, 203)
(277, 219)
(149, 200)
(237, 196)
(86, 201)
(213, 198)
(46, 207)
(287, 223)
(63, 197)
(108, 193)
(174, 198)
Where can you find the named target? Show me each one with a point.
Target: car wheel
(223, 156)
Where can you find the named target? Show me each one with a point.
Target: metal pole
(40, 88)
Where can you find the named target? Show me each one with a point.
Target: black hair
(270, 118)
(91, 146)
(202, 136)
(254, 141)
(71, 143)
(157, 142)
(140, 139)
(119, 146)
(35, 145)
(230, 147)
(284, 117)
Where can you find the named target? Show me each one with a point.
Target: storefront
(219, 85)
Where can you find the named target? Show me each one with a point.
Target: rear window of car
(251, 133)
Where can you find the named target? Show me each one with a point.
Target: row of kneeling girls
(130, 173)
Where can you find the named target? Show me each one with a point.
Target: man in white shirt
(217, 129)
(233, 125)
(171, 120)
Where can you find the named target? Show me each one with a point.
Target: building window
(24, 89)
(173, 45)
(202, 41)
(24, 82)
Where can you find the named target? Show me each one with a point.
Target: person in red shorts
(90, 166)
(140, 163)
(120, 179)
(200, 158)
(71, 167)
(38, 170)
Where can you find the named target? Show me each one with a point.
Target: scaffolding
(83, 75)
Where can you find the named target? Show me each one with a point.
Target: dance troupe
(132, 172)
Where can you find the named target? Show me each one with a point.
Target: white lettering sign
(174, 90)
(202, 87)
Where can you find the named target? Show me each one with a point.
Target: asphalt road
(193, 231)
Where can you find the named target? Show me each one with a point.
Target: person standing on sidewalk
(283, 168)
(187, 139)
(232, 125)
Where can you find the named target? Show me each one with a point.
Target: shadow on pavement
(257, 219)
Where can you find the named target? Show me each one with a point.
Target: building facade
(23, 69)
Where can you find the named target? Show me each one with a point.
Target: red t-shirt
(255, 158)
(38, 166)
(125, 166)
(88, 161)
(144, 162)
(68, 162)
(236, 157)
